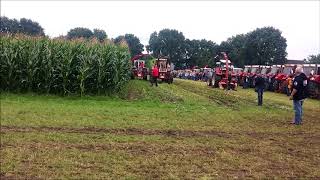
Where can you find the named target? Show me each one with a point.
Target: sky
(299, 21)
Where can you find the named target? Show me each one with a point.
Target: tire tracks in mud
(174, 133)
(134, 148)
(120, 131)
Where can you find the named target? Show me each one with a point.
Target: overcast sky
(299, 21)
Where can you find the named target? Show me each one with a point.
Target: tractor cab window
(246, 69)
(287, 70)
(274, 70)
(141, 64)
(254, 70)
(264, 71)
(163, 66)
(307, 70)
(136, 64)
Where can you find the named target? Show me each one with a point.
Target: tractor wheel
(241, 81)
(266, 86)
(252, 82)
(318, 90)
(270, 84)
(283, 87)
(215, 81)
(275, 86)
(215, 84)
(209, 82)
(313, 89)
(145, 77)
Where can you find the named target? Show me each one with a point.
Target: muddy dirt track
(150, 132)
(136, 148)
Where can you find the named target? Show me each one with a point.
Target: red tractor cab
(244, 74)
(280, 82)
(164, 70)
(238, 72)
(265, 70)
(255, 69)
(271, 76)
(312, 71)
(139, 69)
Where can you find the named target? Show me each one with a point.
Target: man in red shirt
(155, 75)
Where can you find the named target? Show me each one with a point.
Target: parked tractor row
(277, 77)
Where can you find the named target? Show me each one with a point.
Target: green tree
(30, 27)
(99, 34)
(171, 43)
(80, 32)
(235, 47)
(25, 26)
(133, 42)
(313, 59)
(154, 44)
(200, 52)
(266, 46)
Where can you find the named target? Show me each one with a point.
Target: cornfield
(42, 65)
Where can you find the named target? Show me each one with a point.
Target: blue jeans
(260, 96)
(297, 105)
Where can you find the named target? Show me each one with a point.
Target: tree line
(265, 46)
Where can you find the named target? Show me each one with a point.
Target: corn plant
(42, 65)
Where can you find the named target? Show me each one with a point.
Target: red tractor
(280, 84)
(223, 75)
(164, 70)
(271, 76)
(312, 71)
(139, 68)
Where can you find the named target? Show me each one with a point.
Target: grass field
(179, 131)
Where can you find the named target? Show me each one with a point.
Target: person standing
(298, 94)
(155, 75)
(259, 87)
(245, 82)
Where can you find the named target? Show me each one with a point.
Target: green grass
(178, 131)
